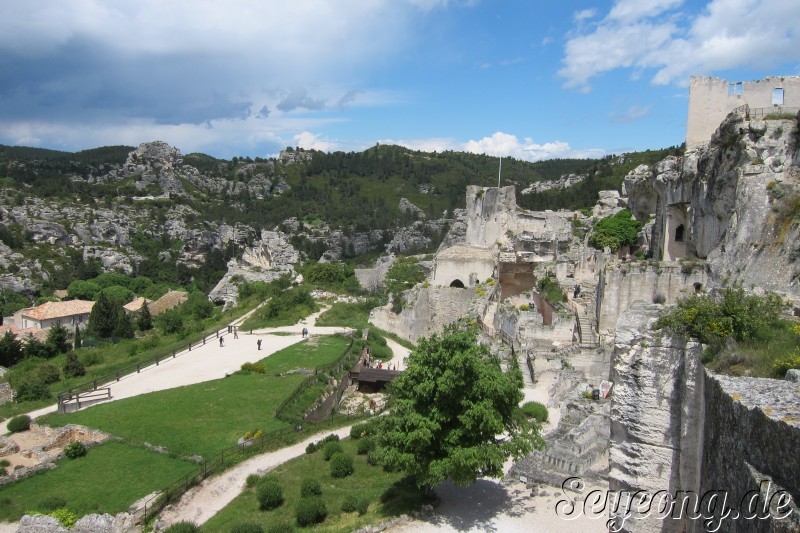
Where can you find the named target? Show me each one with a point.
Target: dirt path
(202, 502)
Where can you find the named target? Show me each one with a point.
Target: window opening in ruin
(735, 89)
(777, 96)
(679, 233)
(698, 287)
(457, 283)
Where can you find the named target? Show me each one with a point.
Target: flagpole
(500, 172)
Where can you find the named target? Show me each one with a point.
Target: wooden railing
(78, 392)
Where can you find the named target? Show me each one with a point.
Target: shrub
(269, 493)
(52, 503)
(29, 387)
(73, 368)
(4, 463)
(310, 511)
(310, 487)
(361, 430)
(252, 480)
(341, 465)
(373, 459)
(352, 503)
(333, 437)
(331, 448)
(615, 230)
(312, 447)
(535, 410)
(19, 423)
(67, 518)
(74, 450)
(3, 471)
(48, 373)
(365, 446)
(256, 368)
(183, 527)
(247, 527)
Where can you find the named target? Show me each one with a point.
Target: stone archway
(457, 283)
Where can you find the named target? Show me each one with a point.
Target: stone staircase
(588, 336)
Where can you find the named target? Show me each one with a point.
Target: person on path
(235, 332)
(221, 342)
(258, 342)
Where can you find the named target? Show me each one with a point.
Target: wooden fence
(88, 388)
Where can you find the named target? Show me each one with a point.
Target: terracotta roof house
(22, 334)
(49, 314)
(136, 305)
(168, 301)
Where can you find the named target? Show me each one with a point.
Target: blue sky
(531, 79)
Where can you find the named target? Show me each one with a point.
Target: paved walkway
(206, 362)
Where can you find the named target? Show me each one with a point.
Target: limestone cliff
(733, 202)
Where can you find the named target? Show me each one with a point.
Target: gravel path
(205, 500)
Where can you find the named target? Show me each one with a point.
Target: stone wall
(427, 311)
(622, 284)
(710, 102)
(371, 279)
(677, 427)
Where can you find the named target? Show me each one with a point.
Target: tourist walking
(221, 342)
(258, 342)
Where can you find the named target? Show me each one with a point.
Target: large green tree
(103, 318)
(10, 349)
(455, 413)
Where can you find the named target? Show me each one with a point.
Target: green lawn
(369, 482)
(204, 418)
(109, 479)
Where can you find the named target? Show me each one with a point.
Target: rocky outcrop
(733, 202)
(676, 427)
(93, 523)
(563, 182)
(407, 207)
(656, 428)
(267, 260)
(426, 311)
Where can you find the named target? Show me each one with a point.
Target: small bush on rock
(74, 450)
(341, 465)
(310, 487)
(19, 423)
(535, 410)
(269, 493)
(310, 511)
(67, 518)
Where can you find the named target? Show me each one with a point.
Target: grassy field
(204, 418)
(368, 482)
(109, 479)
(108, 357)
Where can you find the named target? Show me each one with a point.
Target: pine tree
(103, 318)
(10, 350)
(77, 343)
(123, 328)
(57, 340)
(144, 320)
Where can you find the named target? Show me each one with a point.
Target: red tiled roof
(136, 304)
(51, 310)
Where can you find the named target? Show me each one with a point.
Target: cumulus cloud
(309, 141)
(502, 145)
(666, 37)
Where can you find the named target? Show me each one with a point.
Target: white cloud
(632, 114)
(309, 141)
(661, 35)
(584, 14)
(501, 144)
